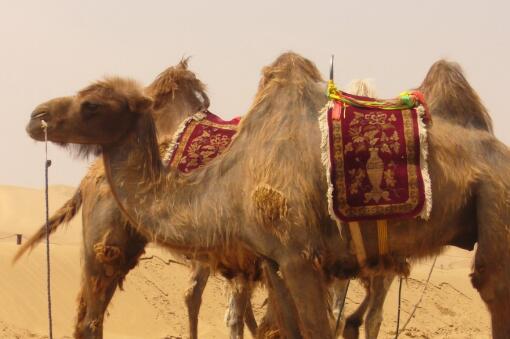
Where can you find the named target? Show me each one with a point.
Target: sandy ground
(152, 306)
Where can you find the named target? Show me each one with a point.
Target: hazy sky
(53, 48)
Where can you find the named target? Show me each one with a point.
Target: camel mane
(174, 78)
(450, 96)
(113, 87)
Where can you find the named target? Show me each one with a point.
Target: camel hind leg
(338, 291)
(193, 296)
(354, 321)
(106, 263)
(249, 319)
(376, 290)
(491, 275)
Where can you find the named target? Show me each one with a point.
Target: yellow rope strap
(357, 240)
(406, 99)
(382, 236)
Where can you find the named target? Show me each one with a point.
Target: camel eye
(90, 106)
(89, 109)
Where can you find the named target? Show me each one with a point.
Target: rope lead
(47, 164)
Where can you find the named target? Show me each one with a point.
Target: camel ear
(140, 104)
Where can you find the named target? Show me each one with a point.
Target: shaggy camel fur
(110, 242)
(449, 96)
(276, 157)
(111, 246)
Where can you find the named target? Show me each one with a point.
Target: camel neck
(146, 193)
(168, 117)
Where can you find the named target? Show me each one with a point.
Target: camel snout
(34, 129)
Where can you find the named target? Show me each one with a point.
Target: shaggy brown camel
(112, 247)
(271, 182)
(110, 241)
(449, 96)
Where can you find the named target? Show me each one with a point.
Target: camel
(449, 96)
(271, 182)
(112, 247)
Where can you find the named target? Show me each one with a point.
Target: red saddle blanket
(200, 139)
(375, 153)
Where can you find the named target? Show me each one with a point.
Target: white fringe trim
(325, 158)
(177, 135)
(424, 166)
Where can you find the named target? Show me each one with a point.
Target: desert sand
(152, 305)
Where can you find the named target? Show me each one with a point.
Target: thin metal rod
(47, 164)
(331, 68)
(399, 301)
(341, 307)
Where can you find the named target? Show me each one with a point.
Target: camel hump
(179, 77)
(290, 67)
(450, 96)
(362, 87)
(63, 216)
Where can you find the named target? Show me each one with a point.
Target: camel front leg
(193, 296)
(106, 264)
(281, 310)
(306, 286)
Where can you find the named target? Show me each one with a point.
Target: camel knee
(488, 282)
(270, 203)
(106, 253)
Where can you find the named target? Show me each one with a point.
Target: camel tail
(362, 87)
(450, 96)
(63, 216)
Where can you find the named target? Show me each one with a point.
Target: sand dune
(152, 304)
(22, 211)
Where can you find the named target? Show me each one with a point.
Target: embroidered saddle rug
(375, 154)
(200, 139)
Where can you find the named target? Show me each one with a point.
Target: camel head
(100, 114)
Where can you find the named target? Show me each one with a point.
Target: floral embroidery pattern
(202, 141)
(374, 132)
(375, 162)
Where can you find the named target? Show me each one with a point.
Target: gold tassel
(382, 236)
